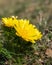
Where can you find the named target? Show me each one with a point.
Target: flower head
(27, 31)
(10, 21)
(23, 28)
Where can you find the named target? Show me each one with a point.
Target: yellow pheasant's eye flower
(27, 31)
(10, 21)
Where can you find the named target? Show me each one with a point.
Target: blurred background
(35, 10)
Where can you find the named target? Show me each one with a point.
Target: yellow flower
(10, 21)
(27, 31)
(23, 28)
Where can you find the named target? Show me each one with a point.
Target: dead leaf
(49, 52)
(40, 60)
